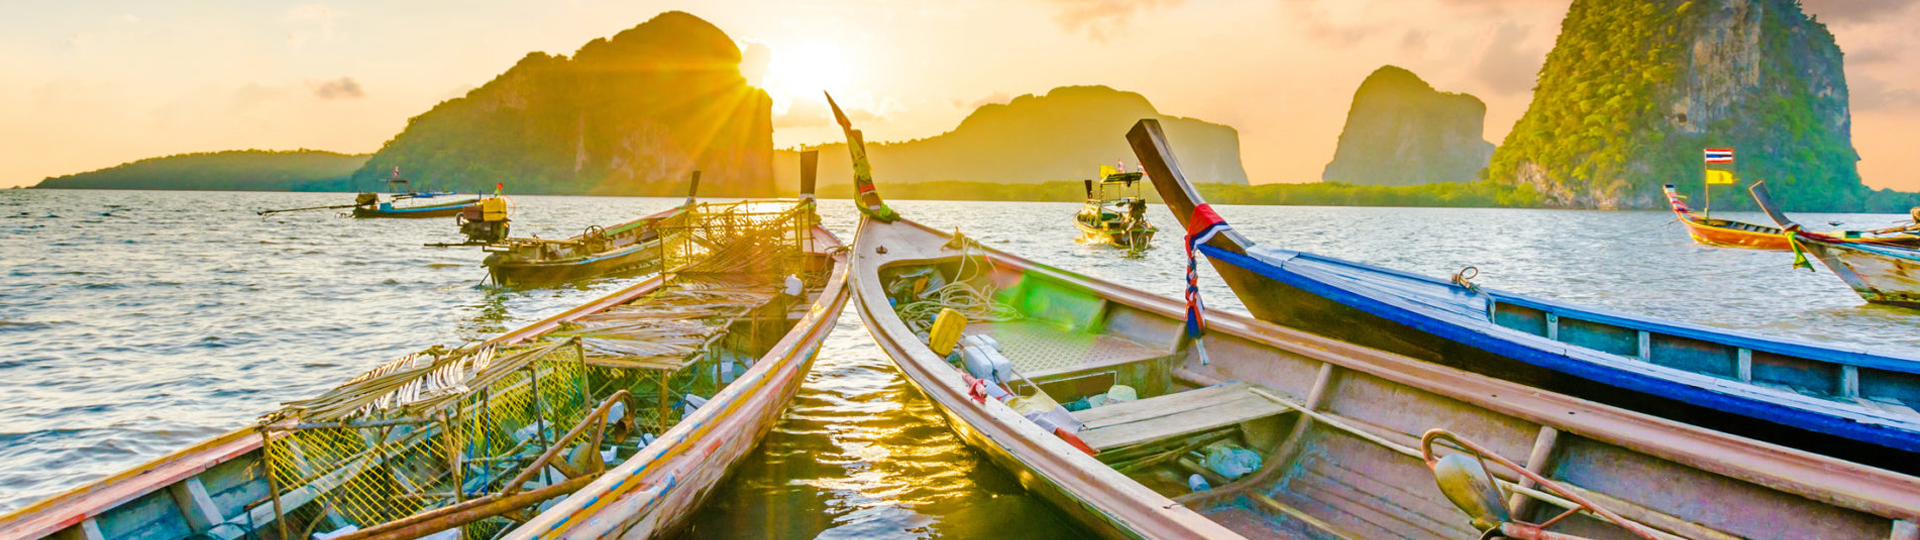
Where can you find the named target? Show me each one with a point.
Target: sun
(806, 69)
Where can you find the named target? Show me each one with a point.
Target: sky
(89, 84)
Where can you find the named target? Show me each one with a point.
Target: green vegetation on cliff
(629, 115)
(1400, 132)
(1635, 89)
(232, 170)
(1065, 134)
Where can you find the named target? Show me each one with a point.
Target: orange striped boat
(1739, 234)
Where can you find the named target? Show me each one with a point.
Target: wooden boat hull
(1121, 238)
(1882, 275)
(653, 494)
(522, 273)
(1783, 391)
(214, 488)
(1722, 233)
(439, 210)
(1351, 479)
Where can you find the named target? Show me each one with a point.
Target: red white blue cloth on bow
(1200, 228)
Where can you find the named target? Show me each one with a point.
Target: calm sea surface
(136, 323)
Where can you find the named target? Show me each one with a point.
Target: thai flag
(1719, 155)
(1201, 228)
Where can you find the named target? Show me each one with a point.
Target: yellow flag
(1108, 170)
(1722, 178)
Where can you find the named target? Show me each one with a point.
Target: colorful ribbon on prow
(1203, 226)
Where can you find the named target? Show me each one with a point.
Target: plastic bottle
(1198, 483)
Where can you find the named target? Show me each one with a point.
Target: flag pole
(1706, 191)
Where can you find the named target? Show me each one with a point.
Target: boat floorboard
(1257, 525)
(1173, 415)
(1036, 346)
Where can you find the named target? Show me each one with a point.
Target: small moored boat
(1282, 434)
(1729, 233)
(598, 251)
(1827, 399)
(471, 442)
(1119, 219)
(1882, 274)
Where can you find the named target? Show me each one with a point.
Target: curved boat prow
(693, 187)
(809, 173)
(870, 203)
(1760, 196)
(1156, 155)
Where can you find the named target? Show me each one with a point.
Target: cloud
(754, 60)
(341, 88)
(1101, 19)
(812, 112)
(1502, 66)
(997, 97)
(1853, 11)
(1870, 94)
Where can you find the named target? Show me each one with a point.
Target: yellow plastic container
(493, 209)
(946, 331)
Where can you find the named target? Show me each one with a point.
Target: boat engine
(486, 222)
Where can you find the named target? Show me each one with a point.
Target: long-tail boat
(1882, 274)
(1119, 220)
(1823, 398)
(1343, 435)
(1729, 233)
(472, 441)
(372, 207)
(594, 252)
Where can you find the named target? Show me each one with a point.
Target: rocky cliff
(1635, 89)
(629, 115)
(1066, 134)
(1400, 132)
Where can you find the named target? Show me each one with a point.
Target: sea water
(135, 323)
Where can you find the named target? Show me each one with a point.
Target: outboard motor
(486, 222)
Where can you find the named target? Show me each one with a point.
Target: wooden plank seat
(1173, 415)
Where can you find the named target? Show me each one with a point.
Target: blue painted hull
(1744, 383)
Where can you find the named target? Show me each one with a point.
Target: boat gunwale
(1837, 354)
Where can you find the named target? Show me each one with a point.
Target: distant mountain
(1634, 90)
(232, 170)
(630, 115)
(1063, 135)
(1402, 132)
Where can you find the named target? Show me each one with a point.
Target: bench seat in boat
(1173, 415)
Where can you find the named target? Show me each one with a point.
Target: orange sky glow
(96, 83)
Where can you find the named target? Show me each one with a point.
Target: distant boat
(1882, 274)
(1820, 398)
(393, 208)
(1119, 220)
(1729, 233)
(596, 252)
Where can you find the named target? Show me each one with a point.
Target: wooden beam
(1537, 461)
(1743, 366)
(191, 497)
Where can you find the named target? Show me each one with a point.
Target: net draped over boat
(441, 426)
